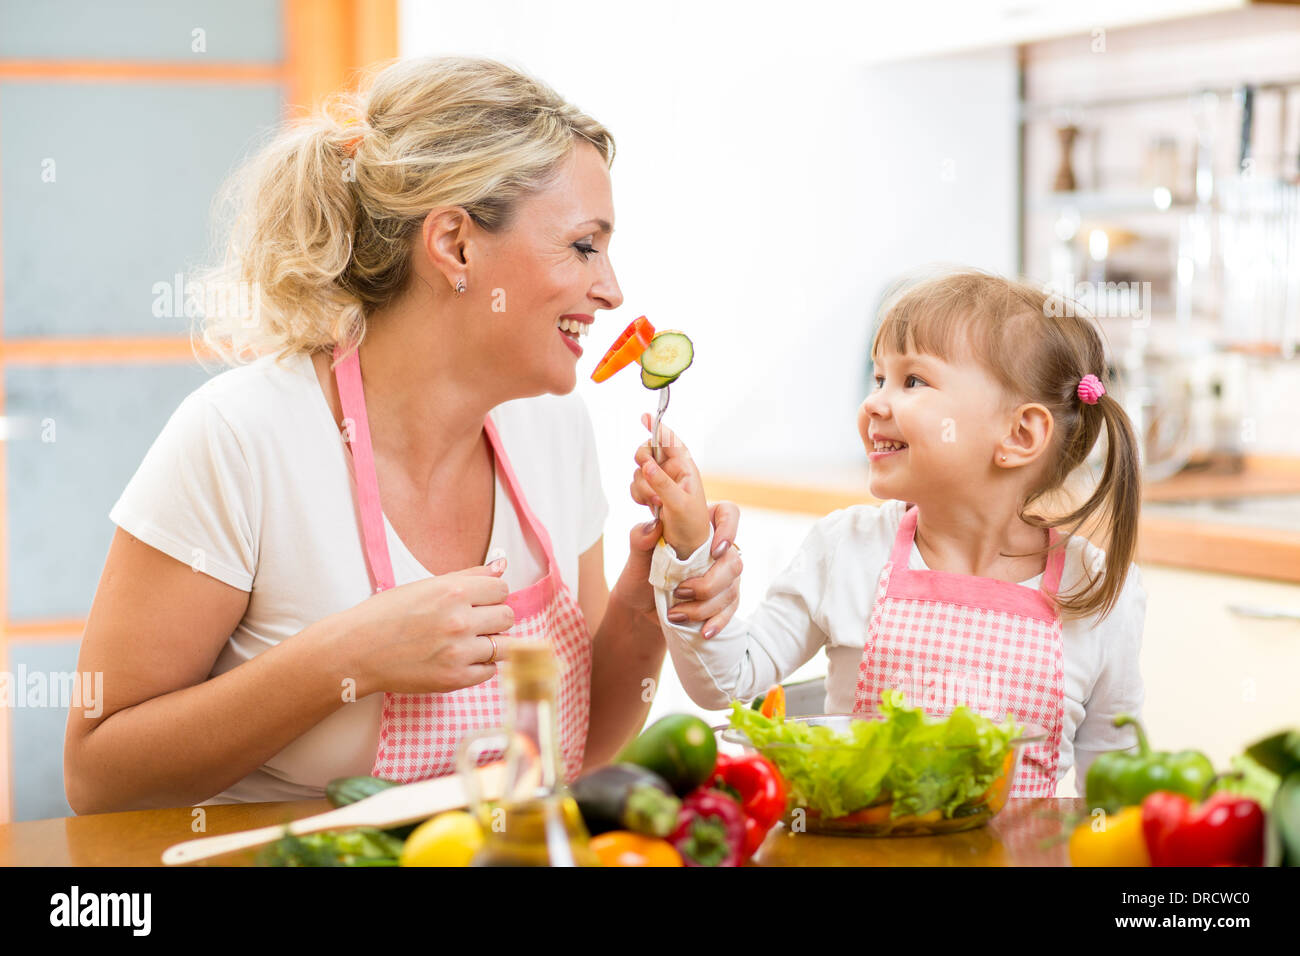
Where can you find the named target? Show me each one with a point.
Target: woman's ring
(493, 658)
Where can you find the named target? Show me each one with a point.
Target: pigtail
(1118, 500)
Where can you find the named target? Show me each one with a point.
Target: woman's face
(949, 416)
(551, 263)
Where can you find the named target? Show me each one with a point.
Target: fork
(655, 447)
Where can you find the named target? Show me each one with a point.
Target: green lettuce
(918, 763)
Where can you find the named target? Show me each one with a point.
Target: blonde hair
(1037, 347)
(321, 221)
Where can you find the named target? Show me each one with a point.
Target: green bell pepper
(1121, 779)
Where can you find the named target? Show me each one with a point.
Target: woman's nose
(607, 290)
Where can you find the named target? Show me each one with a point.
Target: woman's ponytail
(290, 243)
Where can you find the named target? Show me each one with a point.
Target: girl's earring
(460, 286)
(1004, 457)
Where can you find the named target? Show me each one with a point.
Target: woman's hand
(431, 636)
(714, 597)
(676, 488)
(711, 599)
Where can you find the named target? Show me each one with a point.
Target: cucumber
(348, 790)
(1284, 821)
(655, 381)
(668, 355)
(680, 748)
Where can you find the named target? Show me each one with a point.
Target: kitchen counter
(1185, 520)
(138, 838)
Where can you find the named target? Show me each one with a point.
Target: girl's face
(552, 263)
(948, 417)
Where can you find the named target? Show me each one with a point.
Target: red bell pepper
(760, 790)
(1225, 830)
(710, 830)
(635, 339)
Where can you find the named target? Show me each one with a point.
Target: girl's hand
(676, 488)
(431, 636)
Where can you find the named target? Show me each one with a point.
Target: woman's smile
(572, 328)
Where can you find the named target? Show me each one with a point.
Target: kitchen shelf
(1108, 201)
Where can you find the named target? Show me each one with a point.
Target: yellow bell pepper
(1115, 840)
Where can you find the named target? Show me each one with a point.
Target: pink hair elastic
(1090, 389)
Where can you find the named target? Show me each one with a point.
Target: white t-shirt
(825, 597)
(251, 483)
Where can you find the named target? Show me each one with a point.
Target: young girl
(955, 590)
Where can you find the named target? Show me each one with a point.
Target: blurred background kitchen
(779, 167)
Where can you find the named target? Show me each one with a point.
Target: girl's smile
(926, 426)
(885, 449)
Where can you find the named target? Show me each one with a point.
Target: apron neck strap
(516, 492)
(356, 432)
(356, 426)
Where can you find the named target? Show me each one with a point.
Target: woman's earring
(1004, 457)
(460, 286)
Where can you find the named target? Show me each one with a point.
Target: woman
(262, 625)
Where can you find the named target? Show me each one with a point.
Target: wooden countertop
(1163, 539)
(138, 838)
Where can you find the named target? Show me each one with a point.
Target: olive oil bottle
(537, 822)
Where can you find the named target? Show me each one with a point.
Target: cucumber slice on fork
(656, 381)
(667, 356)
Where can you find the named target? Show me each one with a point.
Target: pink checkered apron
(947, 639)
(419, 733)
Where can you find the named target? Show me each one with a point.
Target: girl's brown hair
(1038, 346)
(321, 221)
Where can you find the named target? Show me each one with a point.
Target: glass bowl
(878, 820)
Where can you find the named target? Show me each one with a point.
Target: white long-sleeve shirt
(825, 596)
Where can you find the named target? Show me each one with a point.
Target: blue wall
(106, 188)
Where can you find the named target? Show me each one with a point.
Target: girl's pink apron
(419, 733)
(947, 639)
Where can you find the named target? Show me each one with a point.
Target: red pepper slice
(760, 790)
(634, 340)
(1225, 830)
